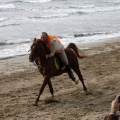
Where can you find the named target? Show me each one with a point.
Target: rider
(55, 47)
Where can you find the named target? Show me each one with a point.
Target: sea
(77, 21)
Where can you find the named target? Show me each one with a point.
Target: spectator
(115, 106)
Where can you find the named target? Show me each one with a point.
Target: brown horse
(47, 66)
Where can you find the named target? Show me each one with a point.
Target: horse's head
(37, 50)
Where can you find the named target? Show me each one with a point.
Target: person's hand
(115, 105)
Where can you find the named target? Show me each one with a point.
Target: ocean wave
(36, 1)
(55, 13)
(116, 2)
(11, 42)
(9, 24)
(94, 8)
(98, 34)
(83, 7)
(17, 51)
(3, 19)
(7, 6)
(94, 37)
(29, 1)
(90, 34)
(21, 46)
(68, 11)
(51, 16)
(88, 38)
(101, 9)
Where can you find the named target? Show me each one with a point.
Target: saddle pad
(57, 64)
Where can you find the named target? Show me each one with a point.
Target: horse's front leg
(46, 80)
(51, 88)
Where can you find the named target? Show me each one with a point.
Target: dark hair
(44, 33)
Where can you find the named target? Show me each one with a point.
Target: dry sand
(20, 82)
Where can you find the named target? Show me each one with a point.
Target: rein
(38, 64)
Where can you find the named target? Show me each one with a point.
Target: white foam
(18, 50)
(92, 9)
(8, 6)
(37, 1)
(3, 19)
(18, 41)
(89, 39)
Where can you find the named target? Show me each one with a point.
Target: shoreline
(92, 49)
(99, 43)
(81, 46)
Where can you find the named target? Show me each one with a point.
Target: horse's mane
(44, 47)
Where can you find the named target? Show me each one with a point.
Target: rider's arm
(52, 48)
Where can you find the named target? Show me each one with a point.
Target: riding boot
(70, 72)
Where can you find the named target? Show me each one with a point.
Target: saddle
(58, 63)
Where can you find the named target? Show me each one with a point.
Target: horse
(47, 66)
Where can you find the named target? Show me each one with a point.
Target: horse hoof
(76, 82)
(52, 96)
(35, 104)
(88, 92)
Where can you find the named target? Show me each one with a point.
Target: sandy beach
(20, 81)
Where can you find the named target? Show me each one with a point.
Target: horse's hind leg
(51, 88)
(78, 72)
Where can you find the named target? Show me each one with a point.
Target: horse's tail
(75, 49)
